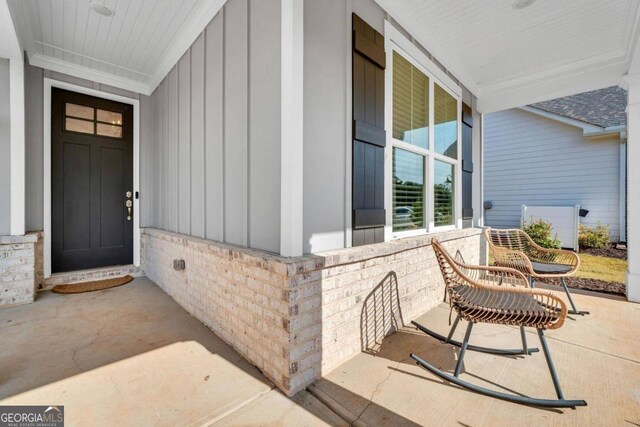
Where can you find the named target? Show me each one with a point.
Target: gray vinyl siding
(216, 132)
(534, 160)
(34, 138)
(5, 149)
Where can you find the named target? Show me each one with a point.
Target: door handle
(129, 205)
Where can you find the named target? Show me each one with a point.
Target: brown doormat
(97, 285)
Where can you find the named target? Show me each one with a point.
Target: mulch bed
(610, 252)
(589, 285)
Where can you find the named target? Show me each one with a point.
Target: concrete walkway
(597, 358)
(132, 356)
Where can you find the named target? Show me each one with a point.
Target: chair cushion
(510, 307)
(545, 268)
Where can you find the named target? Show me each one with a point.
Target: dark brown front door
(92, 182)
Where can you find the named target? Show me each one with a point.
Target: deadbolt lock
(129, 194)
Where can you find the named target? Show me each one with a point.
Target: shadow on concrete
(381, 313)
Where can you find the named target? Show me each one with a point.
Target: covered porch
(597, 358)
(260, 199)
(132, 356)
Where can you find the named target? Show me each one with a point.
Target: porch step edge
(335, 407)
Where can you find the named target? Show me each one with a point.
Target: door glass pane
(109, 117)
(76, 125)
(443, 193)
(408, 190)
(80, 111)
(446, 123)
(109, 130)
(410, 103)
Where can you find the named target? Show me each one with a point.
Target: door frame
(51, 83)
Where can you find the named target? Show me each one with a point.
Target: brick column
(17, 269)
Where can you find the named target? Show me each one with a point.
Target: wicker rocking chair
(513, 248)
(501, 296)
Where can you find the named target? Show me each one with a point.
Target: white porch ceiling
(133, 49)
(507, 57)
(511, 57)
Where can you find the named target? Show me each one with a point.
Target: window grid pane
(408, 190)
(109, 130)
(446, 123)
(80, 111)
(410, 103)
(110, 117)
(444, 174)
(77, 125)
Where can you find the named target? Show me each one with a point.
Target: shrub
(540, 231)
(596, 237)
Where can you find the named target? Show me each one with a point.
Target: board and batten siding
(533, 160)
(215, 123)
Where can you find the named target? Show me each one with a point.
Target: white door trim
(48, 84)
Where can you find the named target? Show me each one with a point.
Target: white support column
(10, 48)
(16, 101)
(633, 188)
(292, 85)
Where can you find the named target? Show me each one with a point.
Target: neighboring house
(566, 151)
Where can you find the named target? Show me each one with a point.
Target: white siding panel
(148, 162)
(236, 121)
(264, 125)
(184, 144)
(171, 205)
(34, 154)
(197, 139)
(214, 129)
(533, 160)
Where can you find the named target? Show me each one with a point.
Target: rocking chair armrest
(513, 259)
(498, 275)
(548, 301)
(557, 256)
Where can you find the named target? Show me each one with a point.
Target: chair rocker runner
(501, 296)
(513, 248)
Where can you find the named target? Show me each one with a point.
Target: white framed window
(423, 111)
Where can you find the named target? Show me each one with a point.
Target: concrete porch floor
(132, 356)
(597, 358)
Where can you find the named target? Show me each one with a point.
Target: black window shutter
(369, 137)
(467, 165)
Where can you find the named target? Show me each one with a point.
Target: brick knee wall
(298, 318)
(240, 295)
(362, 294)
(17, 269)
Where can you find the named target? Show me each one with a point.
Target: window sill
(422, 232)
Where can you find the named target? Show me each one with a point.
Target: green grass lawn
(601, 268)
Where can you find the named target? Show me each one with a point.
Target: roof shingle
(602, 107)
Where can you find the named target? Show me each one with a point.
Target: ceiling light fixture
(101, 8)
(521, 4)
